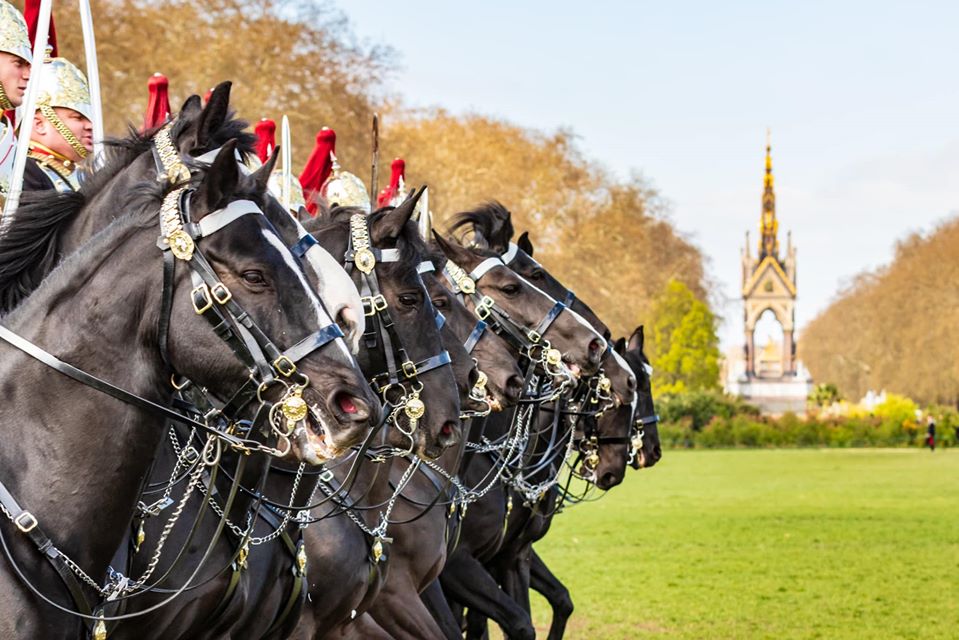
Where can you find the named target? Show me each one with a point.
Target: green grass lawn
(836, 543)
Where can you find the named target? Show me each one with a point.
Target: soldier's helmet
(13, 32)
(62, 84)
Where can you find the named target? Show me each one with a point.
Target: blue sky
(862, 99)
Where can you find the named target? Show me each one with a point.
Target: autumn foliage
(609, 240)
(896, 328)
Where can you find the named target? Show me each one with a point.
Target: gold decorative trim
(360, 234)
(171, 226)
(460, 278)
(63, 130)
(176, 171)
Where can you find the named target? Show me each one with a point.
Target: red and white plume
(318, 168)
(396, 185)
(158, 105)
(265, 138)
(31, 13)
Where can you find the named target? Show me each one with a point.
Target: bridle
(528, 341)
(398, 381)
(179, 237)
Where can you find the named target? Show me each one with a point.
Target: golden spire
(768, 226)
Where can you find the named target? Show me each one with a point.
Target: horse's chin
(312, 443)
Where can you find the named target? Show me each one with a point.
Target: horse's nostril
(449, 433)
(596, 348)
(346, 403)
(353, 408)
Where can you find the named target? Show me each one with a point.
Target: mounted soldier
(63, 128)
(15, 60)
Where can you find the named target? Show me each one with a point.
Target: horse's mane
(410, 244)
(29, 244)
(490, 222)
(141, 211)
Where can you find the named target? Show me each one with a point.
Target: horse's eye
(440, 303)
(510, 289)
(409, 300)
(536, 275)
(253, 277)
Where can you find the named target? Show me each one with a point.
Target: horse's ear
(636, 340)
(390, 226)
(220, 181)
(459, 255)
(214, 114)
(524, 244)
(262, 175)
(620, 346)
(192, 106)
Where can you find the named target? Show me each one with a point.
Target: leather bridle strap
(28, 525)
(109, 389)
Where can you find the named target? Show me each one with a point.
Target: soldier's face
(47, 135)
(14, 74)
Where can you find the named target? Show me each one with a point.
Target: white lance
(426, 218)
(30, 104)
(93, 80)
(286, 167)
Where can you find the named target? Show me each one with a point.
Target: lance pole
(30, 109)
(286, 156)
(93, 79)
(375, 161)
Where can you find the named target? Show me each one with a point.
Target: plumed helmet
(318, 168)
(345, 189)
(13, 32)
(158, 103)
(63, 85)
(265, 131)
(395, 192)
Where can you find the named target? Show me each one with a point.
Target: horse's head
(333, 284)
(241, 278)
(496, 291)
(504, 380)
(646, 450)
(490, 226)
(402, 350)
(607, 438)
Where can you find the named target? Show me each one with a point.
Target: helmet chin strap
(5, 103)
(63, 130)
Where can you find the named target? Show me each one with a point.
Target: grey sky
(862, 99)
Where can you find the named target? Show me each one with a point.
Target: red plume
(158, 106)
(397, 171)
(265, 138)
(318, 168)
(31, 13)
(206, 96)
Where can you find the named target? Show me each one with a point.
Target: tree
(825, 394)
(684, 346)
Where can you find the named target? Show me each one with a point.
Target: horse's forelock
(491, 221)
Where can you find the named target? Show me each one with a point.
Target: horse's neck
(71, 455)
(96, 215)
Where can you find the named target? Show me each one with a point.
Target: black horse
(103, 311)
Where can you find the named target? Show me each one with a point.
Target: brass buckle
(409, 369)
(208, 301)
(285, 366)
(533, 336)
(221, 293)
(373, 304)
(485, 307)
(25, 522)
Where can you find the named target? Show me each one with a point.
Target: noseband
(360, 261)
(529, 342)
